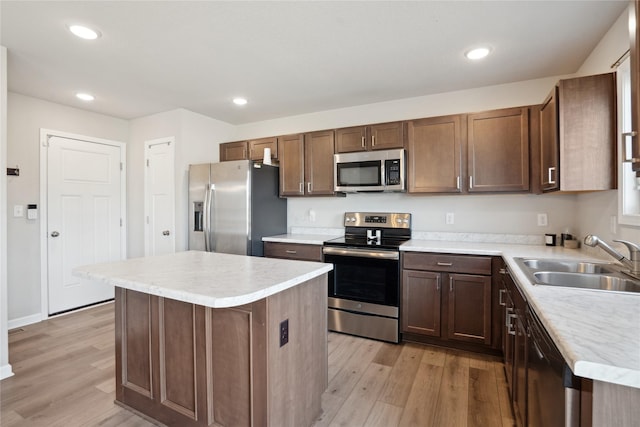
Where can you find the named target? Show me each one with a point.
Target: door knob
(54, 234)
(166, 233)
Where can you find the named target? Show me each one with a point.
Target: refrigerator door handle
(210, 235)
(207, 219)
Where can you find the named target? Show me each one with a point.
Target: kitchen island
(216, 339)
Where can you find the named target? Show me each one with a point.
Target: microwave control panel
(392, 169)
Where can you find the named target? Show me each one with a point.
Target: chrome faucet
(633, 262)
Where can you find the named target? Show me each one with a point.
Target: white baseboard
(24, 321)
(5, 371)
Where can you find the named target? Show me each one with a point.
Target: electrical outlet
(542, 220)
(284, 332)
(450, 218)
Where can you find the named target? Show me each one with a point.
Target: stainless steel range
(364, 287)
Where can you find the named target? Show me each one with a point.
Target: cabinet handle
(302, 188)
(458, 182)
(500, 294)
(444, 264)
(509, 322)
(631, 159)
(309, 187)
(450, 284)
(362, 141)
(552, 181)
(373, 140)
(438, 283)
(244, 153)
(470, 182)
(291, 251)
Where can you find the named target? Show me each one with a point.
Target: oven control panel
(378, 220)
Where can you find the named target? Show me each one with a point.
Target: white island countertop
(210, 279)
(597, 332)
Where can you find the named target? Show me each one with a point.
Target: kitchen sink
(587, 281)
(569, 266)
(578, 274)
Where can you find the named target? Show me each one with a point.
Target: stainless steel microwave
(382, 171)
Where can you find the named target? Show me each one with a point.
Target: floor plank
(65, 376)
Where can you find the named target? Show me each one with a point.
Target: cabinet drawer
(449, 263)
(293, 251)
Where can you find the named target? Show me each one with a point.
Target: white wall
(25, 117)
(5, 367)
(197, 139)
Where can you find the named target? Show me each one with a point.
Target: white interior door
(160, 197)
(84, 218)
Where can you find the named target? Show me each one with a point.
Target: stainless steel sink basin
(578, 274)
(569, 266)
(587, 281)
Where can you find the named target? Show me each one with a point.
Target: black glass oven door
(364, 279)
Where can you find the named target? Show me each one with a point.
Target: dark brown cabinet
(381, 136)
(498, 151)
(233, 151)
(257, 146)
(297, 251)
(434, 154)
(515, 345)
(447, 296)
(306, 164)
(634, 34)
(578, 135)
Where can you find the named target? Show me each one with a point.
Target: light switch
(32, 211)
(18, 211)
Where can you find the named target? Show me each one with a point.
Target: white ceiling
(287, 58)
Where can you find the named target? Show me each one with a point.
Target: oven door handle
(361, 253)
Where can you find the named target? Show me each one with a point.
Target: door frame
(45, 134)
(171, 141)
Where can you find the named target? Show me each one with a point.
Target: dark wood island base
(185, 364)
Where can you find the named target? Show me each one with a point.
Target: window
(628, 183)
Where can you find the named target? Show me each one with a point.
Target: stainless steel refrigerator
(232, 205)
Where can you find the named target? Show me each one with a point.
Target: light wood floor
(64, 376)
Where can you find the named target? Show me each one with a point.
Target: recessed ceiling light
(239, 101)
(477, 53)
(84, 32)
(85, 96)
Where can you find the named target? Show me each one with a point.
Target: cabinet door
(520, 372)
(351, 139)
(233, 151)
(257, 146)
(469, 308)
(421, 292)
(318, 163)
(385, 136)
(498, 152)
(434, 150)
(291, 151)
(587, 117)
(634, 33)
(549, 144)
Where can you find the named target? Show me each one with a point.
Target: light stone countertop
(597, 332)
(204, 278)
(305, 239)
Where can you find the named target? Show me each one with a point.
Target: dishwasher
(553, 392)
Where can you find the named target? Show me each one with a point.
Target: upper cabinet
(233, 151)
(578, 135)
(249, 150)
(257, 146)
(634, 33)
(434, 154)
(498, 151)
(381, 136)
(306, 164)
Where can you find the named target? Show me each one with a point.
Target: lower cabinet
(447, 297)
(297, 251)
